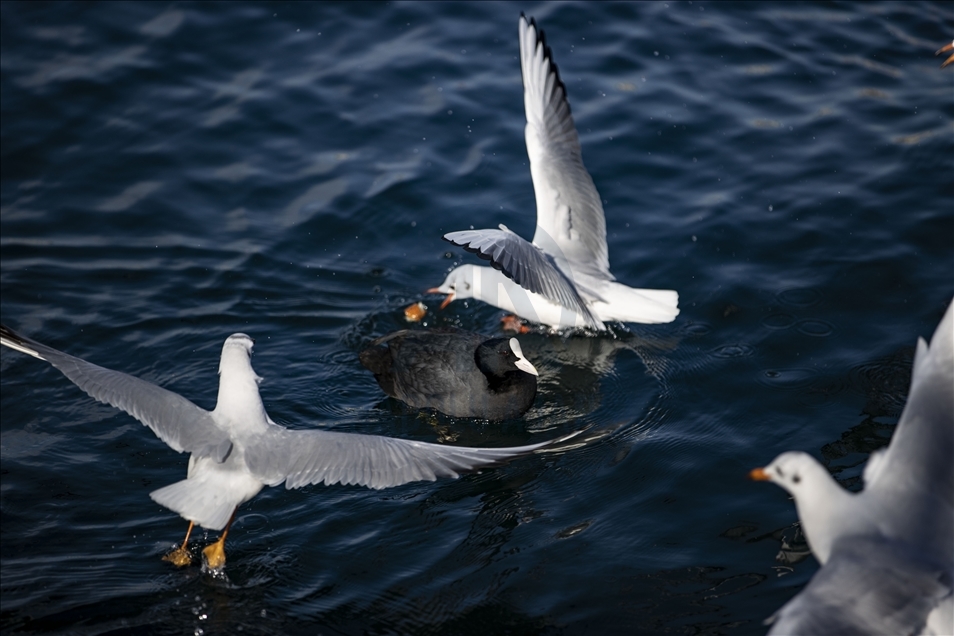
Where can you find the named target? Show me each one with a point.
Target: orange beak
(759, 474)
(447, 301)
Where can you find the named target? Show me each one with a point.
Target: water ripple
(778, 321)
(817, 328)
(787, 378)
(800, 297)
(739, 350)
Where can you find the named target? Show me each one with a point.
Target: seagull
(887, 552)
(562, 277)
(236, 449)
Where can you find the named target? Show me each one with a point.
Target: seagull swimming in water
(236, 449)
(562, 277)
(887, 552)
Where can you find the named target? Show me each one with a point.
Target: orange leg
(180, 556)
(511, 322)
(215, 554)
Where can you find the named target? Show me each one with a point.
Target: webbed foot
(214, 555)
(179, 557)
(512, 323)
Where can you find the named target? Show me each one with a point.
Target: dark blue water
(173, 173)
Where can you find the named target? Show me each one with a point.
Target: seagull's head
(458, 285)
(237, 355)
(239, 402)
(825, 509)
(798, 473)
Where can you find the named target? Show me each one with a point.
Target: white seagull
(887, 553)
(562, 278)
(236, 449)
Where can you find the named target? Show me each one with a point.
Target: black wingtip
(10, 334)
(486, 257)
(15, 341)
(548, 56)
(495, 263)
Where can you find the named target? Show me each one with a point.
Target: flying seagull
(887, 553)
(562, 277)
(236, 449)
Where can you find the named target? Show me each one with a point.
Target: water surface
(174, 173)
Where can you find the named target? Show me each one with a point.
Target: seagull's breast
(492, 287)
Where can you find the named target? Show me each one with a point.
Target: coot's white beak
(522, 363)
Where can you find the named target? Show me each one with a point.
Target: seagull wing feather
(570, 220)
(917, 466)
(302, 457)
(869, 586)
(174, 419)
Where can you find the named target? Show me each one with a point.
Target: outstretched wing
(570, 220)
(301, 457)
(868, 586)
(525, 264)
(175, 420)
(915, 473)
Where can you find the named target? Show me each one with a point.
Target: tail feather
(628, 304)
(197, 502)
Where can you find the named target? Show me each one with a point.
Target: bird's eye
(779, 471)
(796, 478)
(466, 285)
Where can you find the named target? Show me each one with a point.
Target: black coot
(456, 372)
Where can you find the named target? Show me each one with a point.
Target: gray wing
(915, 473)
(868, 586)
(300, 458)
(526, 265)
(570, 220)
(175, 420)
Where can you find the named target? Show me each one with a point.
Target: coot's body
(456, 372)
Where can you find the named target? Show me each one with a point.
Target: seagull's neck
(239, 403)
(493, 287)
(826, 511)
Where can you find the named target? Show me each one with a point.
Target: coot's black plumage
(456, 372)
